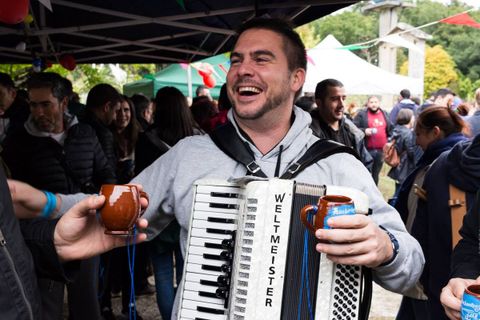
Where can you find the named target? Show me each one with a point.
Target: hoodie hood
(463, 165)
(286, 148)
(68, 119)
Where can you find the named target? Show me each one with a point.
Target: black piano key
(214, 245)
(224, 206)
(222, 292)
(209, 283)
(207, 294)
(227, 244)
(210, 310)
(224, 194)
(211, 268)
(220, 220)
(222, 256)
(219, 231)
(197, 318)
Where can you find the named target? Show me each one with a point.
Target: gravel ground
(384, 305)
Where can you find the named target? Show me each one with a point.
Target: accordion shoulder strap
(227, 140)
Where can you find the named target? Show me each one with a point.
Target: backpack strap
(321, 149)
(227, 140)
(458, 209)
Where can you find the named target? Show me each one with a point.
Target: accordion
(249, 256)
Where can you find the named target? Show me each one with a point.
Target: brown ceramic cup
(315, 217)
(121, 208)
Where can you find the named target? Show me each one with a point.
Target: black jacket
(78, 166)
(352, 136)
(466, 255)
(25, 251)
(407, 150)
(105, 137)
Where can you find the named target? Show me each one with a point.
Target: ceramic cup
(121, 208)
(315, 217)
(471, 303)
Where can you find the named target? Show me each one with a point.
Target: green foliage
(349, 27)
(308, 35)
(439, 70)
(461, 42)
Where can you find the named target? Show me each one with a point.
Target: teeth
(252, 89)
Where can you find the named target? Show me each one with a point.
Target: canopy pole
(189, 81)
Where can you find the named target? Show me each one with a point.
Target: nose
(245, 68)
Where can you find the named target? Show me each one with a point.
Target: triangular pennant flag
(47, 4)
(463, 19)
(181, 3)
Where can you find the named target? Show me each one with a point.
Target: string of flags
(462, 18)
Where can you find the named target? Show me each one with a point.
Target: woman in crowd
(437, 130)
(405, 145)
(173, 121)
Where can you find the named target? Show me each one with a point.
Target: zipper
(3, 245)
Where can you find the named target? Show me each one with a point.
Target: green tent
(176, 75)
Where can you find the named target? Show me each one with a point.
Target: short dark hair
(141, 103)
(101, 94)
(322, 87)
(292, 44)
(405, 93)
(443, 92)
(199, 89)
(52, 81)
(6, 81)
(404, 116)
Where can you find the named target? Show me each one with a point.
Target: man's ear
(64, 104)
(106, 107)
(298, 79)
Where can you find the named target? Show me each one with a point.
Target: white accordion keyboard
(250, 257)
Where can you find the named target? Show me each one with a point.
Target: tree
(439, 70)
(308, 36)
(349, 27)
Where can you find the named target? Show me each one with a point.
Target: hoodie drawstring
(279, 161)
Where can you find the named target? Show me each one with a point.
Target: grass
(386, 184)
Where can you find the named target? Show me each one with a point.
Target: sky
(473, 3)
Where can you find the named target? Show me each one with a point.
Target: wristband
(50, 206)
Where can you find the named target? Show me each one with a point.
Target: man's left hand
(355, 240)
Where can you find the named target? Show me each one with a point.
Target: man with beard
(267, 72)
(54, 152)
(329, 122)
(376, 125)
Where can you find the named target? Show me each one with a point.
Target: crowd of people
(52, 142)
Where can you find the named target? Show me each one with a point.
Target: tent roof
(144, 31)
(357, 75)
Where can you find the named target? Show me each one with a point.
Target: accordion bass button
(226, 268)
(223, 280)
(222, 292)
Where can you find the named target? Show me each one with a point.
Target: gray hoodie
(169, 182)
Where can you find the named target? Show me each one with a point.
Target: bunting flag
(352, 47)
(463, 19)
(181, 3)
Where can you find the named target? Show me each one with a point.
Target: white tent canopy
(357, 75)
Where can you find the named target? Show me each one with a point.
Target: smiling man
(268, 65)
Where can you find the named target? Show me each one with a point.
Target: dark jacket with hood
(403, 104)
(352, 134)
(25, 252)
(79, 165)
(406, 149)
(432, 225)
